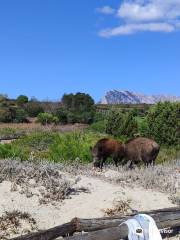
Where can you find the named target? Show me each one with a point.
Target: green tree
(79, 107)
(163, 121)
(78, 102)
(21, 100)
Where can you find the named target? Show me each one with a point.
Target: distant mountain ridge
(119, 96)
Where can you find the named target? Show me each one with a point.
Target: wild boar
(135, 150)
(141, 149)
(105, 148)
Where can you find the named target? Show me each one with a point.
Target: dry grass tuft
(120, 208)
(43, 180)
(163, 177)
(16, 223)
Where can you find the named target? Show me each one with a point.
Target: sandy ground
(83, 204)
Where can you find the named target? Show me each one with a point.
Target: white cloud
(106, 10)
(136, 12)
(149, 10)
(145, 15)
(133, 28)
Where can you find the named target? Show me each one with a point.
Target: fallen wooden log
(106, 228)
(164, 217)
(9, 138)
(52, 233)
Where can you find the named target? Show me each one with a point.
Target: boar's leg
(131, 165)
(115, 161)
(102, 162)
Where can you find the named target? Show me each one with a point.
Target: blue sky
(51, 47)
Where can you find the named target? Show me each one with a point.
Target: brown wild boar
(135, 150)
(141, 149)
(105, 148)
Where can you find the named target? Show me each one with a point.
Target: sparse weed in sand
(43, 180)
(54, 186)
(16, 223)
(163, 177)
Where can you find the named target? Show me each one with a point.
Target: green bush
(61, 114)
(80, 117)
(99, 126)
(46, 118)
(71, 117)
(5, 115)
(119, 124)
(21, 116)
(33, 108)
(163, 122)
(142, 126)
(99, 116)
(70, 146)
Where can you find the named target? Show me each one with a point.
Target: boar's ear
(90, 148)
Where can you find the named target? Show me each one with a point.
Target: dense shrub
(5, 115)
(33, 108)
(61, 114)
(21, 116)
(99, 116)
(142, 126)
(47, 118)
(99, 126)
(119, 124)
(163, 122)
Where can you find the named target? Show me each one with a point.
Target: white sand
(84, 205)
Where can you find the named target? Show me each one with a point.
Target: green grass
(64, 147)
(52, 146)
(70, 146)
